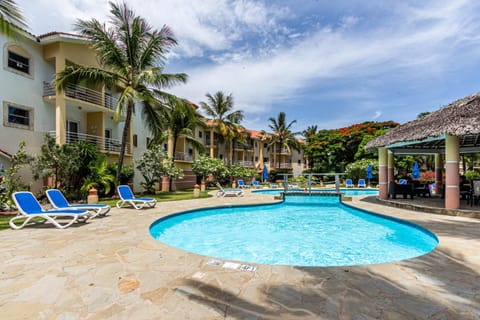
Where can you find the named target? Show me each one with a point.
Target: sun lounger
(229, 192)
(58, 201)
(256, 184)
(29, 208)
(349, 183)
(241, 184)
(127, 198)
(361, 183)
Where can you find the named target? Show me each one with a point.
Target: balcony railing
(244, 163)
(283, 165)
(284, 151)
(183, 156)
(104, 144)
(247, 147)
(84, 94)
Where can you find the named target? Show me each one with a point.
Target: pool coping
(111, 268)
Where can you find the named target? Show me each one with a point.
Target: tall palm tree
(10, 15)
(282, 134)
(180, 120)
(220, 111)
(309, 135)
(132, 56)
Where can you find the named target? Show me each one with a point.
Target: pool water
(302, 231)
(347, 192)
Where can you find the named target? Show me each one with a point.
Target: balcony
(245, 163)
(183, 156)
(283, 165)
(246, 147)
(104, 144)
(284, 151)
(83, 94)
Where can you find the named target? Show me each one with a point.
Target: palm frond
(75, 74)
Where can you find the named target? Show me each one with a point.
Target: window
(200, 134)
(265, 145)
(17, 116)
(148, 141)
(299, 162)
(18, 62)
(135, 140)
(190, 152)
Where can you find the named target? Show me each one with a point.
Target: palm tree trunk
(170, 180)
(125, 135)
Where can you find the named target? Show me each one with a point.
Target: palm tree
(309, 135)
(10, 15)
(131, 56)
(282, 134)
(180, 120)
(227, 122)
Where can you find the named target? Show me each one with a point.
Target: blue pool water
(302, 231)
(347, 192)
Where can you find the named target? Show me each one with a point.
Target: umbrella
(415, 171)
(369, 174)
(265, 173)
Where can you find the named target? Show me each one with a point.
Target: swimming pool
(347, 192)
(301, 231)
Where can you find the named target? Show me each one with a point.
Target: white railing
(104, 144)
(183, 156)
(84, 94)
(284, 151)
(284, 165)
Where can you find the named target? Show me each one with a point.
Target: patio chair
(229, 192)
(29, 208)
(127, 198)
(58, 201)
(361, 183)
(256, 184)
(241, 184)
(349, 183)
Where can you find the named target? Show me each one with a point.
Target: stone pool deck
(110, 268)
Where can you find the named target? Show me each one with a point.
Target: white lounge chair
(127, 198)
(29, 208)
(229, 192)
(58, 201)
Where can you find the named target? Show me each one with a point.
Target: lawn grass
(161, 196)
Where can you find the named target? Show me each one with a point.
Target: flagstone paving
(110, 268)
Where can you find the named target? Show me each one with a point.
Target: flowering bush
(427, 176)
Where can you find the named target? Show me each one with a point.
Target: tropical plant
(241, 172)
(205, 166)
(472, 175)
(171, 171)
(10, 15)
(358, 169)
(282, 136)
(151, 167)
(309, 135)
(180, 120)
(99, 177)
(131, 56)
(126, 175)
(11, 179)
(219, 109)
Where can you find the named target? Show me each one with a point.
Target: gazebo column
(452, 156)
(438, 173)
(391, 166)
(382, 173)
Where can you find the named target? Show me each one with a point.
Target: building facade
(32, 107)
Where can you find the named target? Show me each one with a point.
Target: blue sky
(324, 63)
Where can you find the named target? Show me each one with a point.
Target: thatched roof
(460, 118)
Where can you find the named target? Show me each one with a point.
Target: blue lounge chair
(242, 184)
(29, 208)
(229, 192)
(127, 198)
(256, 184)
(349, 183)
(58, 201)
(361, 183)
(402, 181)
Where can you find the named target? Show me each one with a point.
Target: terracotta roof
(459, 118)
(5, 153)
